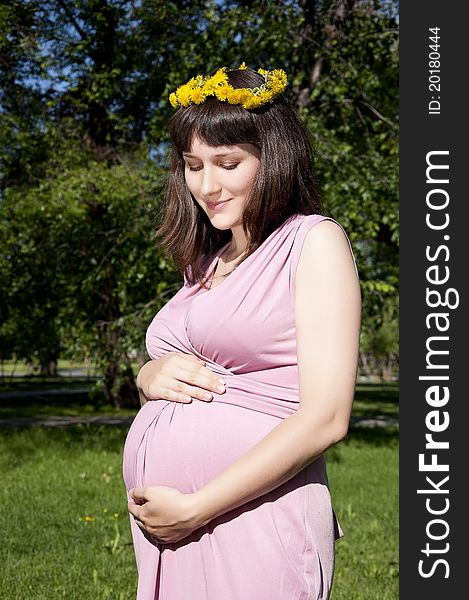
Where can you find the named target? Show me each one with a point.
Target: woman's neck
(239, 242)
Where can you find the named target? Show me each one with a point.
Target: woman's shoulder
(324, 238)
(307, 222)
(299, 227)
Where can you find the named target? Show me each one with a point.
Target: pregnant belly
(186, 445)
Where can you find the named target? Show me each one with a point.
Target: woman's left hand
(165, 513)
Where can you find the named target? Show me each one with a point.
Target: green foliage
(354, 120)
(83, 129)
(79, 250)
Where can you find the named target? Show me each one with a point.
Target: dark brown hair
(284, 185)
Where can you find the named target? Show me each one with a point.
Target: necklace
(227, 270)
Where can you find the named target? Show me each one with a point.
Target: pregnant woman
(228, 494)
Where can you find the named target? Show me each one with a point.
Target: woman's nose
(210, 184)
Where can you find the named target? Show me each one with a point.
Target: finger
(203, 384)
(202, 377)
(208, 380)
(135, 511)
(141, 525)
(169, 389)
(138, 495)
(174, 396)
(178, 391)
(191, 391)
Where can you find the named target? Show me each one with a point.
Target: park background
(84, 88)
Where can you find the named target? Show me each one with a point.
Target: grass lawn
(370, 399)
(9, 367)
(363, 477)
(31, 397)
(64, 516)
(65, 529)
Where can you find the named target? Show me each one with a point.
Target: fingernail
(207, 396)
(221, 381)
(220, 388)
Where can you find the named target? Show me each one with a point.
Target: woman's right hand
(177, 377)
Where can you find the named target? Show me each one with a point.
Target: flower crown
(197, 89)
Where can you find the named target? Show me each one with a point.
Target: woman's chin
(221, 221)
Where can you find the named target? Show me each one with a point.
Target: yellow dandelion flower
(222, 92)
(210, 86)
(253, 102)
(198, 96)
(233, 97)
(276, 88)
(244, 95)
(197, 89)
(220, 77)
(173, 100)
(190, 84)
(183, 95)
(88, 519)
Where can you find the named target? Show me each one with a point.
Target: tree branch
(72, 19)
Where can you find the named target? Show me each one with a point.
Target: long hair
(285, 184)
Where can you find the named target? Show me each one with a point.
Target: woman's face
(220, 179)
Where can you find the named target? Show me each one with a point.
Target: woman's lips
(217, 206)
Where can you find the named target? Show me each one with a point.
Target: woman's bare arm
(327, 315)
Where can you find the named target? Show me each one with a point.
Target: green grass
(42, 404)
(7, 367)
(53, 478)
(363, 477)
(370, 399)
(45, 406)
(63, 487)
(376, 399)
(61, 491)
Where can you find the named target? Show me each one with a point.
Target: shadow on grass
(18, 446)
(365, 437)
(70, 396)
(375, 436)
(378, 392)
(42, 382)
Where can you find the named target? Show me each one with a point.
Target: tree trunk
(120, 389)
(308, 34)
(49, 368)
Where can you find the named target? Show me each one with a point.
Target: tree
(86, 270)
(83, 135)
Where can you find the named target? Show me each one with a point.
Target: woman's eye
(228, 167)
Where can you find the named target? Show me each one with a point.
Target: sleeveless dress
(279, 546)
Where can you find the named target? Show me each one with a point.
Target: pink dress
(279, 546)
